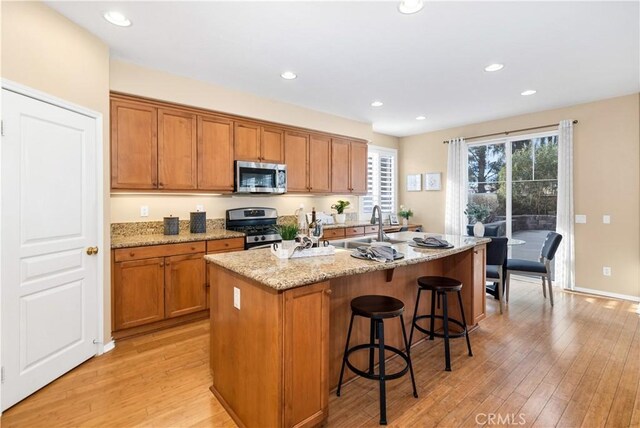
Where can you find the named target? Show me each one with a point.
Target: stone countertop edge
(157, 239)
(262, 267)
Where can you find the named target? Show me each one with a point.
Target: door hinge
(2, 375)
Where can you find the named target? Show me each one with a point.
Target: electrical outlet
(581, 218)
(606, 219)
(606, 271)
(236, 297)
(199, 208)
(144, 211)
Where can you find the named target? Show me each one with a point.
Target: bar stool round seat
(440, 286)
(377, 309)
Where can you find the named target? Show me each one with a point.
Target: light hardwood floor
(577, 364)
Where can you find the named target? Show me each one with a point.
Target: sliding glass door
(512, 189)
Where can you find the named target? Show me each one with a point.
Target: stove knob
(262, 239)
(256, 239)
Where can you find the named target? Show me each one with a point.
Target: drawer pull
(132, 254)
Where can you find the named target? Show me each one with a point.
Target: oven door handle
(258, 247)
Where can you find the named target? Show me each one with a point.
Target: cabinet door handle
(329, 291)
(161, 264)
(167, 264)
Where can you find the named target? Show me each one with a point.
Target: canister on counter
(198, 223)
(171, 225)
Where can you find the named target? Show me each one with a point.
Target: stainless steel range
(259, 224)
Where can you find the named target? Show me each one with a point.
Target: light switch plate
(581, 218)
(606, 271)
(144, 211)
(606, 219)
(236, 297)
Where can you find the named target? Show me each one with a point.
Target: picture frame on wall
(432, 181)
(393, 219)
(414, 182)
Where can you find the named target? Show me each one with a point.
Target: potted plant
(340, 206)
(288, 233)
(476, 214)
(405, 213)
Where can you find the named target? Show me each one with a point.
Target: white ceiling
(347, 54)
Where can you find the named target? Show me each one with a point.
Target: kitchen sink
(348, 244)
(370, 240)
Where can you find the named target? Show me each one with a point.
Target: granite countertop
(359, 224)
(159, 239)
(262, 266)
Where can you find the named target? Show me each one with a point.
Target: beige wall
(45, 51)
(134, 79)
(606, 181)
(387, 141)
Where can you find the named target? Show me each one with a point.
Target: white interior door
(49, 218)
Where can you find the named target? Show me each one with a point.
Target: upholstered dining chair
(496, 260)
(541, 268)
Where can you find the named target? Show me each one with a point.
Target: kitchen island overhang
(276, 357)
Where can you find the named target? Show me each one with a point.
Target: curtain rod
(510, 132)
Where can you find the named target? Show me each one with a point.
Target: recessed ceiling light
(289, 75)
(421, 117)
(410, 6)
(376, 104)
(116, 18)
(528, 92)
(494, 67)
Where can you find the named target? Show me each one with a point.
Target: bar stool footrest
(440, 335)
(377, 376)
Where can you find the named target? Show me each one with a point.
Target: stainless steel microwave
(254, 177)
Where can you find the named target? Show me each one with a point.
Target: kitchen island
(278, 327)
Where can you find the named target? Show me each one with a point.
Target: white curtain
(456, 202)
(565, 256)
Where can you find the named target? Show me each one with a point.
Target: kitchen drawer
(219, 245)
(370, 230)
(354, 231)
(139, 253)
(330, 234)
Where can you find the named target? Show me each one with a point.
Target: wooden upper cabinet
(358, 167)
(134, 145)
(319, 164)
(296, 155)
(340, 166)
(272, 147)
(215, 153)
(246, 141)
(177, 150)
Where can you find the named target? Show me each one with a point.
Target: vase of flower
(340, 206)
(405, 213)
(478, 230)
(288, 233)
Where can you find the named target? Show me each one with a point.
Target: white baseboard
(108, 346)
(606, 294)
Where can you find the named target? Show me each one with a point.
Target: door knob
(92, 251)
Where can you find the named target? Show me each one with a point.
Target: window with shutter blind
(381, 182)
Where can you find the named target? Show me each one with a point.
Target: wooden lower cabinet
(479, 285)
(306, 350)
(159, 286)
(279, 342)
(184, 285)
(138, 292)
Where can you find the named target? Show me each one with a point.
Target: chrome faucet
(380, 231)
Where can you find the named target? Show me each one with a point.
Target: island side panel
(246, 349)
(403, 286)
(469, 267)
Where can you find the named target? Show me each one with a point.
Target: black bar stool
(377, 308)
(439, 287)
